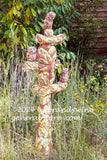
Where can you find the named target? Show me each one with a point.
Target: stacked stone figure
(45, 66)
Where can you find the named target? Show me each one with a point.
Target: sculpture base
(43, 138)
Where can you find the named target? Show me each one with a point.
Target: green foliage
(16, 26)
(21, 20)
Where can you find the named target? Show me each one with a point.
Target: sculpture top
(48, 22)
(48, 38)
(50, 16)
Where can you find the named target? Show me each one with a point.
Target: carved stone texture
(31, 54)
(45, 67)
(48, 22)
(64, 75)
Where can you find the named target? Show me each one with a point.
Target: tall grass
(78, 124)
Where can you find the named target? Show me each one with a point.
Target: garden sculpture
(45, 65)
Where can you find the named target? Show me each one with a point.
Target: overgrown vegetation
(78, 124)
(21, 20)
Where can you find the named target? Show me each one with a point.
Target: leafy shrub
(21, 20)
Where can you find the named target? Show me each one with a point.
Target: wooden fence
(101, 47)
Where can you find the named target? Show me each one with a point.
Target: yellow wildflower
(80, 102)
(92, 87)
(79, 87)
(96, 88)
(92, 107)
(75, 94)
(92, 79)
(97, 105)
(4, 91)
(97, 110)
(86, 101)
(99, 100)
(102, 105)
(82, 90)
(105, 78)
(85, 84)
(86, 89)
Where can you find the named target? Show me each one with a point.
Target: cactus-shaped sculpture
(45, 66)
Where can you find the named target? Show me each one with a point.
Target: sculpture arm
(50, 40)
(58, 87)
(36, 66)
